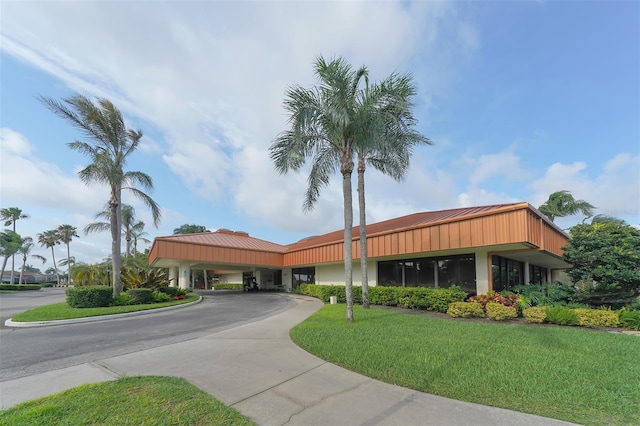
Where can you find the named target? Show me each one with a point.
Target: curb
(10, 323)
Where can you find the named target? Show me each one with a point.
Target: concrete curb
(10, 323)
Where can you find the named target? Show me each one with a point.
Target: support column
(173, 276)
(183, 279)
(483, 264)
(527, 277)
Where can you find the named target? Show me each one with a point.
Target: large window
(537, 274)
(506, 273)
(430, 272)
(303, 276)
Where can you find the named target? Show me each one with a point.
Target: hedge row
(227, 286)
(431, 299)
(102, 296)
(20, 287)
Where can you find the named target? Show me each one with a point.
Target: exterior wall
(223, 255)
(333, 274)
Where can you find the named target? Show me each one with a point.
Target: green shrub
(384, 296)
(225, 286)
(123, 299)
(629, 319)
(158, 297)
(561, 315)
(597, 318)
(535, 314)
(140, 296)
(144, 278)
(495, 297)
(438, 299)
(20, 287)
(171, 291)
(92, 296)
(499, 312)
(465, 310)
(548, 294)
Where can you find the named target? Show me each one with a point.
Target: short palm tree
(25, 251)
(112, 144)
(50, 239)
(66, 234)
(138, 234)
(562, 203)
(10, 215)
(10, 243)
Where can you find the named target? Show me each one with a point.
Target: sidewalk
(259, 371)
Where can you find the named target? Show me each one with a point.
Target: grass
(62, 310)
(148, 400)
(576, 375)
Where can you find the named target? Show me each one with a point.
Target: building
(478, 248)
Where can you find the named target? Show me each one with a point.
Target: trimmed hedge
(499, 312)
(535, 314)
(227, 286)
(465, 310)
(20, 287)
(597, 318)
(432, 299)
(91, 296)
(140, 296)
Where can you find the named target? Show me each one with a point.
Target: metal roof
(227, 239)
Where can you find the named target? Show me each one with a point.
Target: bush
(158, 297)
(144, 278)
(20, 287)
(123, 299)
(227, 286)
(597, 318)
(535, 314)
(548, 294)
(495, 297)
(561, 315)
(92, 296)
(140, 296)
(629, 319)
(171, 291)
(499, 312)
(438, 299)
(465, 310)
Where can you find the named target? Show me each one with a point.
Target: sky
(521, 99)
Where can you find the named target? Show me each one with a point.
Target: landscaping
(569, 373)
(131, 401)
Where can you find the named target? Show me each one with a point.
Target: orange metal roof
(227, 239)
(404, 222)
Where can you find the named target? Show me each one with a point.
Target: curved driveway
(28, 351)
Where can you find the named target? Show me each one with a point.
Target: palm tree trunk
(115, 220)
(13, 257)
(363, 233)
(53, 256)
(24, 262)
(68, 263)
(4, 265)
(347, 169)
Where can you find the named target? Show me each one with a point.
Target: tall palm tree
(112, 144)
(387, 146)
(10, 243)
(66, 234)
(138, 234)
(327, 123)
(127, 223)
(25, 251)
(10, 215)
(50, 239)
(562, 203)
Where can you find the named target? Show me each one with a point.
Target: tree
(189, 229)
(387, 146)
(66, 234)
(327, 124)
(25, 251)
(112, 144)
(138, 234)
(50, 239)
(128, 224)
(604, 258)
(562, 203)
(10, 215)
(10, 243)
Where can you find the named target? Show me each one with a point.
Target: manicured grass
(132, 401)
(576, 375)
(62, 310)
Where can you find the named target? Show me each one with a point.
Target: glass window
(426, 272)
(303, 276)
(390, 273)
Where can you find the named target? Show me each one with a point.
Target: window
(506, 273)
(537, 274)
(303, 276)
(390, 273)
(430, 272)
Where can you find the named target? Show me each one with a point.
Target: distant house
(477, 248)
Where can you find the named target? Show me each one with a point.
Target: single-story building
(481, 248)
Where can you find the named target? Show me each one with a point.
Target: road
(28, 351)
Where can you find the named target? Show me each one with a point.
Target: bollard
(333, 300)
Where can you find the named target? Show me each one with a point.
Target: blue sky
(521, 99)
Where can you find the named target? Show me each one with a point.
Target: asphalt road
(28, 351)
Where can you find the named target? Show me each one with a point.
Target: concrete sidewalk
(258, 370)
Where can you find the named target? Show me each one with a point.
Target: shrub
(225, 286)
(535, 314)
(548, 294)
(171, 291)
(123, 299)
(20, 287)
(561, 315)
(93, 296)
(597, 318)
(629, 319)
(499, 312)
(495, 297)
(158, 297)
(144, 278)
(465, 310)
(438, 299)
(140, 296)
(384, 296)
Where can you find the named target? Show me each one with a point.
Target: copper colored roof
(227, 239)
(404, 222)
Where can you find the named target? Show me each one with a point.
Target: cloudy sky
(521, 99)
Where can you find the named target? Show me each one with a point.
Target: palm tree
(138, 234)
(10, 243)
(66, 234)
(128, 223)
(112, 144)
(327, 124)
(25, 251)
(189, 229)
(10, 215)
(50, 239)
(387, 147)
(562, 203)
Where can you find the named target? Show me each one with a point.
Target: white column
(482, 271)
(286, 279)
(206, 281)
(173, 276)
(183, 279)
(527, 278)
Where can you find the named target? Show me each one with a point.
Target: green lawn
(576, 375)
(134, 401)
(62, 310)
